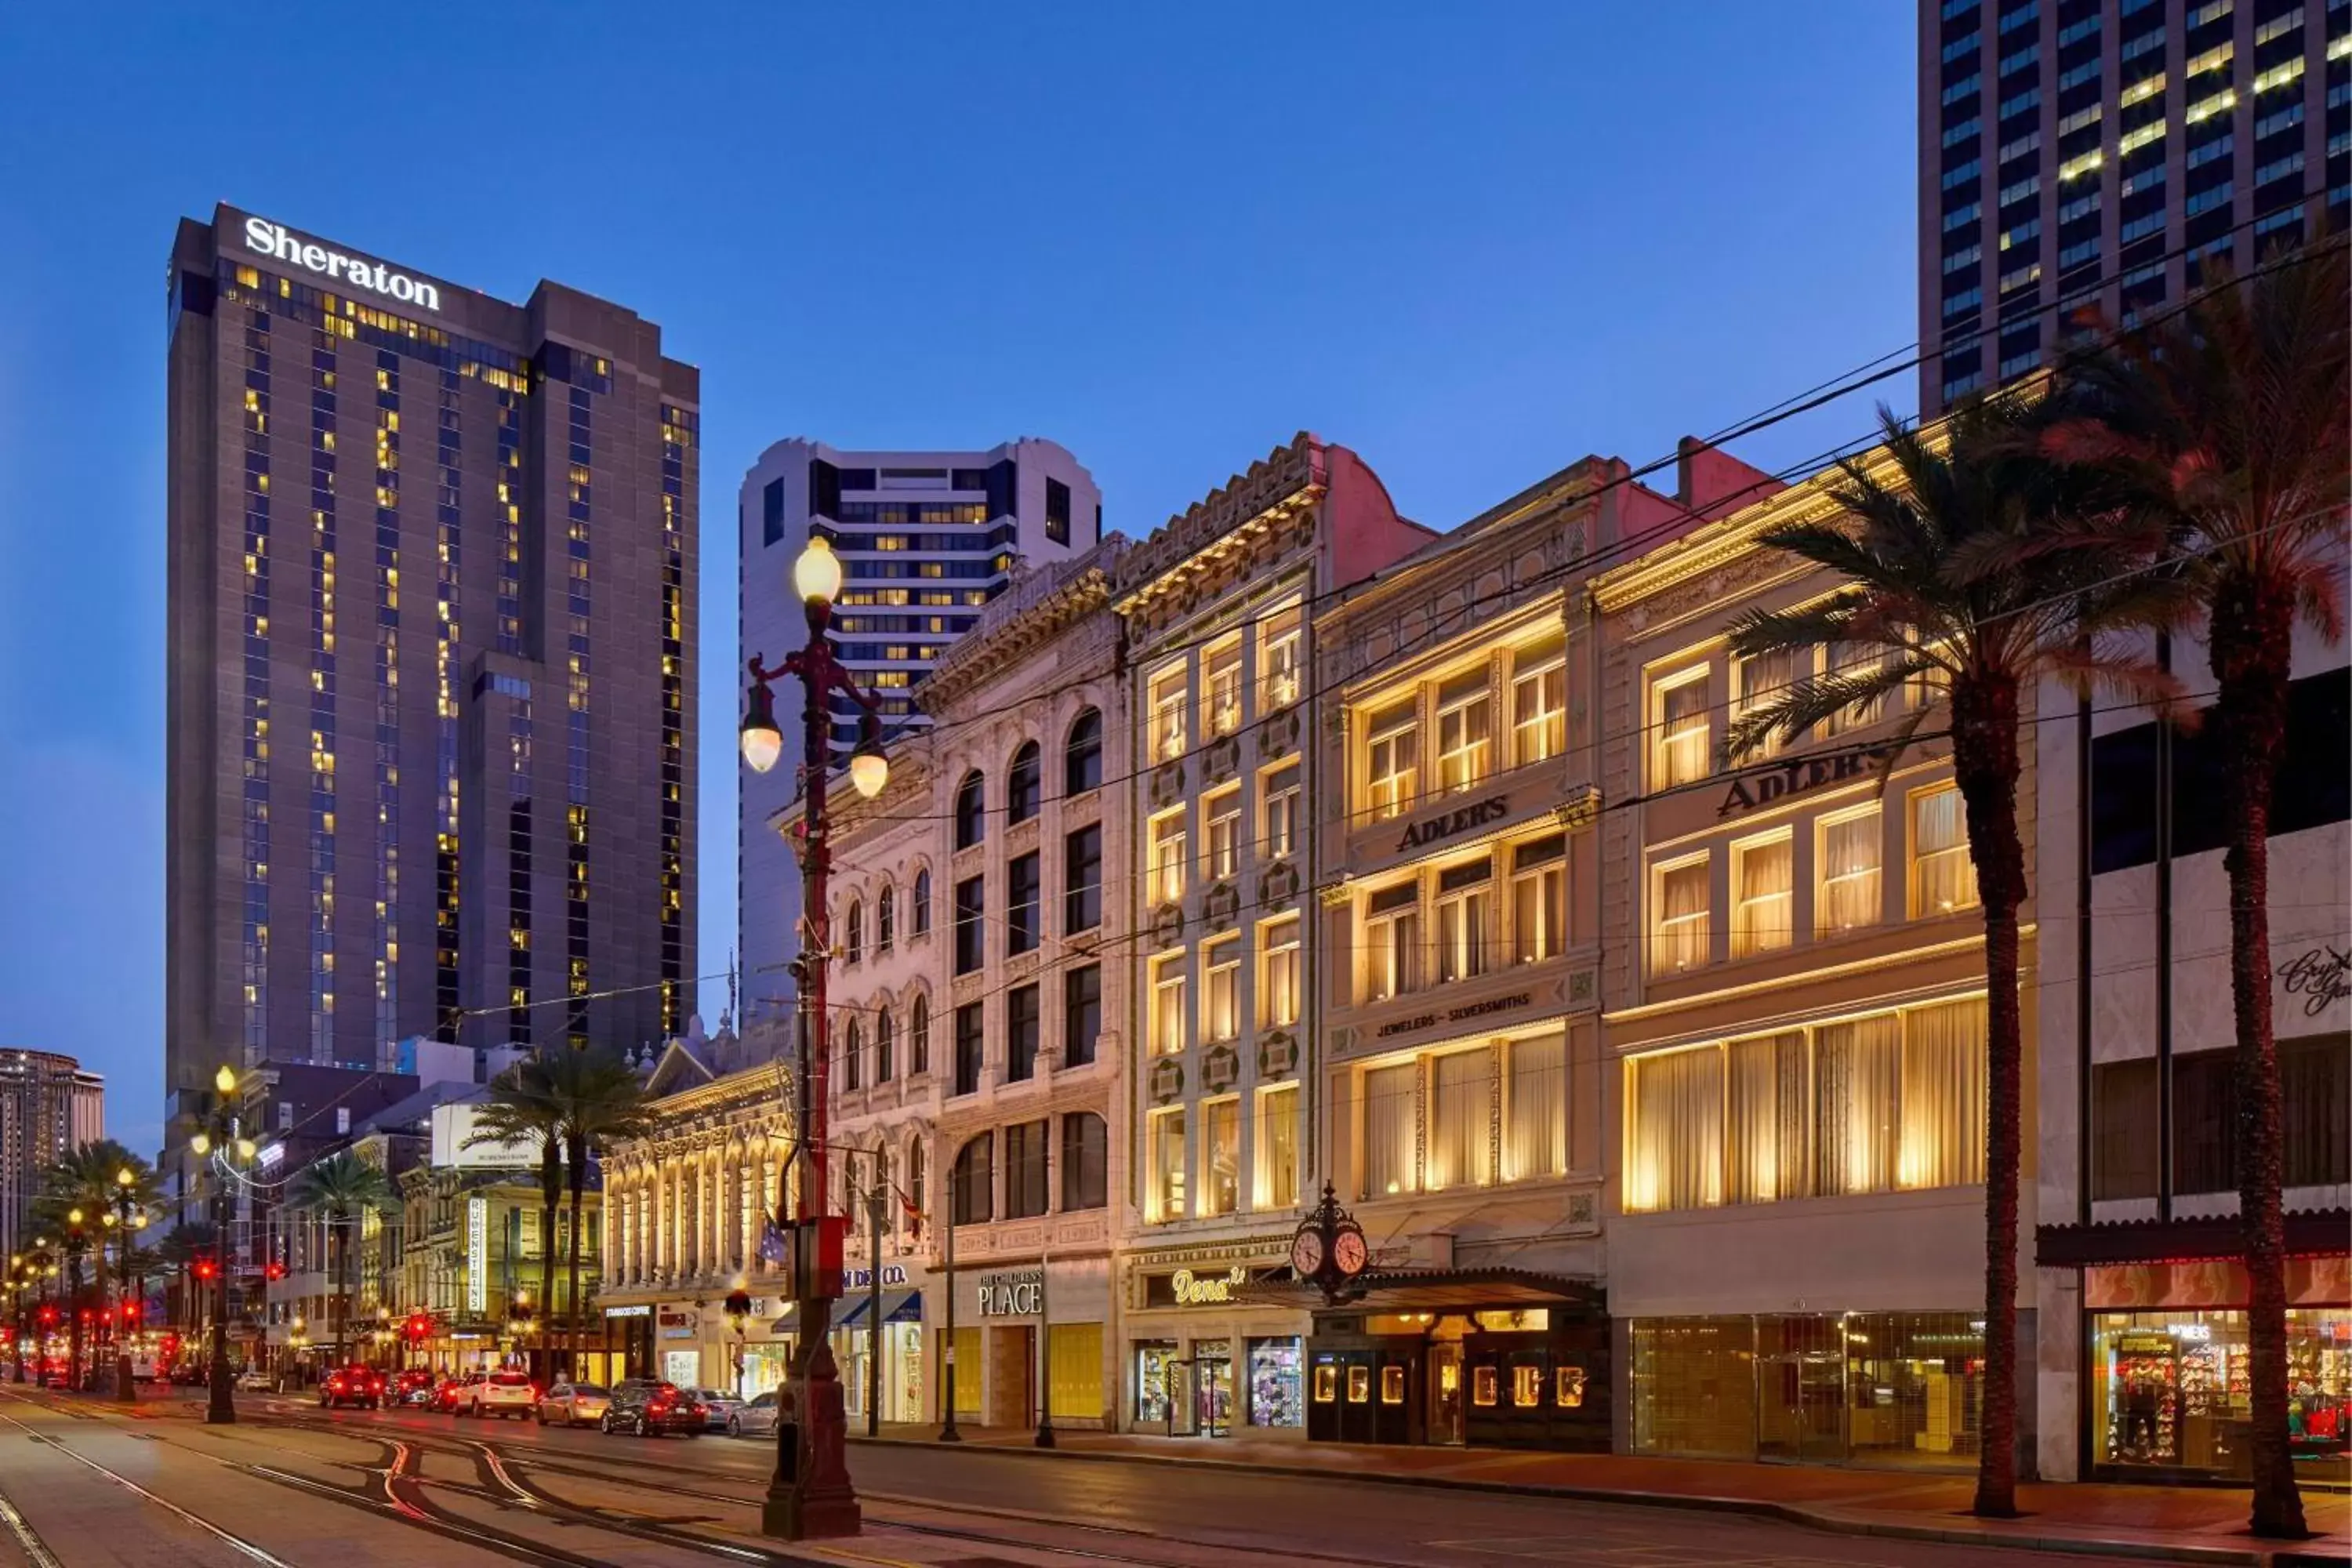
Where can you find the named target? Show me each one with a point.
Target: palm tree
(2223, 432)
(341, 1187)
(601, 1101)
(1937, 583)
(84, 1181)
(521, 1109)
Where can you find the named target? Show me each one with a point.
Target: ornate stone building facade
(1792, 969)
(977, 1036)
(686, 1208)
(1217, 607)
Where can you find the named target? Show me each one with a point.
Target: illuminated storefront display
(1891, 1388)
(2169, 1391)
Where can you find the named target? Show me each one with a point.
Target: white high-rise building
(926, 539)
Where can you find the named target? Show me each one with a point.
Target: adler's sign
(271, 239)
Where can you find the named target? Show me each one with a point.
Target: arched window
(884, 1046)
(853, 933)
(918, 1036)
(923, 902)
(972, 1195)
(1081, 758)
(885, 911)
(852, 1052)
(918, 1202)
(1085, 1161)
(1025, 787)
(971, 810)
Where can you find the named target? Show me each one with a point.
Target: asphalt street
(293, 1486)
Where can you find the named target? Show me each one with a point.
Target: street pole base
(948, 1434)
(793, 1515)
(1045, 1436)
(216, 1417)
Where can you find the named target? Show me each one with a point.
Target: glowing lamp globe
(816, 575)
(868, 771)
(762, 742)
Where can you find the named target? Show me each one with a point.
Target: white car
(716, 1407)
(755, 1418)
(253, 1380)
(498, 1394)
(575, 1405)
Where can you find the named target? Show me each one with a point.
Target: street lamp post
(218, 1139)
(809, 1495)
(127, 1220)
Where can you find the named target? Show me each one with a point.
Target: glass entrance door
(1802, 1417)
(1445, 1393)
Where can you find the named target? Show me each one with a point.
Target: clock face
(1347, 1252)
(1305, 1254)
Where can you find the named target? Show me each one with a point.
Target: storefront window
(1359, 1385)
(1073, 1365)
(1486, 1385)
(1274, 1392)
(1327, 1382)
(1695, 1387)
(2171, 1389)
(1213, 1383)
(1392, 1386)
(1153, 1381)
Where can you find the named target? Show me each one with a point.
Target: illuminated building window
(1679, 719)
(1763, 894)
(1848, 856)
(1943, 876)
(1680, 925)
(1393, 763)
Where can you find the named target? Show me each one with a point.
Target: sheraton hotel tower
(430, 685)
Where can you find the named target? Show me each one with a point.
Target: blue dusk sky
(1472, 242)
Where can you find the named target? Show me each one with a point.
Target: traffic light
(273, 1269)
(49, 1316)
(418, 1326)
(131, 1314)
(206, 1268)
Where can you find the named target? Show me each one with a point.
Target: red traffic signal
(418, 1326)
(206, 1268)
(130, 1312)
(273, 1269)
(49, 1316)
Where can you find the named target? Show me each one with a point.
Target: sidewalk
(2172, 1524)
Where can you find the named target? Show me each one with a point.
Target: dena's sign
(271, 239)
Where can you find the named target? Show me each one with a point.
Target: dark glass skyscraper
(432, 687)
(2098, 152)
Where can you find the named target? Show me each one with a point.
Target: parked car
(360, 1385)
(755, 1418)
(503, 1392)
(649, 1408)
(574, 1404)
(718, 1404)
(444, 1395)
(413, 1388)
(253, 1380)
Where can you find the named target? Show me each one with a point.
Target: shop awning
(2310, 1233)
(1445, 1291)
(898, 1307)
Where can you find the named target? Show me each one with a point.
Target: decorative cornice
(1037, 609)
(1715, 546)
(1290, 477)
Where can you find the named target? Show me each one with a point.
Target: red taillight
(656, 1409)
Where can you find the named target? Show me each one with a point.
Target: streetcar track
(403, 1496)
(29, 1540)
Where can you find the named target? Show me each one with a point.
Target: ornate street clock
(1328, 1250)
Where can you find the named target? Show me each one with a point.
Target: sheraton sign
(1799, 774)
(272, 240)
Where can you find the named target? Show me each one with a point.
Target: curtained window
(1164, 1154)
(1849, 872)
(1392, 1130)
(1682, 731)
(1682, 936)
(1278, 973)
(1943, 878)
(1858, 1098)
(1277, 1147)
(1768, 1112)
(1220, 1155)
(1461, 1118)
(1762, 905)
(1535, 1141)
(1673, 1158)
(1943, 1095)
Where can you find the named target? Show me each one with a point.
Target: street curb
(1788, 1514)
